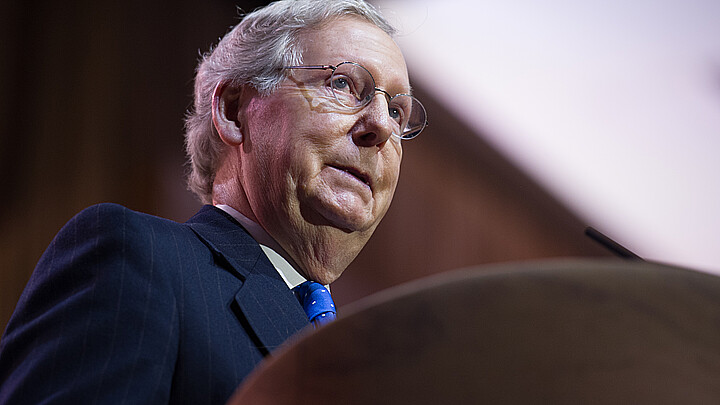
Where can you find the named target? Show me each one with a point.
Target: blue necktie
(316, 301)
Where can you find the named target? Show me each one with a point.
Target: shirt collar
(273, 251)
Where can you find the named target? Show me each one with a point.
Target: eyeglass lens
(354, 87)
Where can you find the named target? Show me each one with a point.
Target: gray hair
(253, 53)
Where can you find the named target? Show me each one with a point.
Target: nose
(374, 126)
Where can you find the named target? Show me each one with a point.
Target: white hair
(253, 53)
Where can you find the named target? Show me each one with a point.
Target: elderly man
(295, 145)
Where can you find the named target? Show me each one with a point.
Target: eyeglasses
(354, 87)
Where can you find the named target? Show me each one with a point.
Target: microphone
(611, 245)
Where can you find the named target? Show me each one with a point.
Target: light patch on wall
(613, 106)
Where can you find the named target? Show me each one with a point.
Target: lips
(361, 176)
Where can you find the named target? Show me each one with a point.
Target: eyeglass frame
(369, 99)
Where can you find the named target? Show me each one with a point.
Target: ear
(226, 102)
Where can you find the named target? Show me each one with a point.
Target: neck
(324, 252)
(319, 252)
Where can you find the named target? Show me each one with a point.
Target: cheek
(316, 139)
(391, 160)
(273, 129)
(265, 162)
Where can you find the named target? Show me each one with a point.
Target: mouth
(359, 175)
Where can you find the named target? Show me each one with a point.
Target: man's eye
(396, 114)
(341, 83)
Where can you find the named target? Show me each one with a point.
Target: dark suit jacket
(125, 307)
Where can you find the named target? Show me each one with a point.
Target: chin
(350, 220)
(325, 278)
(348, 216)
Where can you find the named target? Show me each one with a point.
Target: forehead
(350, 39)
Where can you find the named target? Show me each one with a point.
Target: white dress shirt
(277, 255)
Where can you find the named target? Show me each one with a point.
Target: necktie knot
(316, 301)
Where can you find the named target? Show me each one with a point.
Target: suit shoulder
(103, 295)
(113, 232)
(111, 212)
(111, 218)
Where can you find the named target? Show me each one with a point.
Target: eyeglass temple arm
(311, 67)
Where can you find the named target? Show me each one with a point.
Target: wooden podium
(600, 332)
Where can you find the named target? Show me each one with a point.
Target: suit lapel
(266, 303)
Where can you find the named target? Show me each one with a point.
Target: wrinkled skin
(316, 177)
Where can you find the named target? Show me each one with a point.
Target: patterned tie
(316, 301)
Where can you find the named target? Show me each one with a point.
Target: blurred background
(544, 119)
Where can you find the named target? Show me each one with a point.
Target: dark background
(92, 100)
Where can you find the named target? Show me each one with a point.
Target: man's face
(305, 161)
